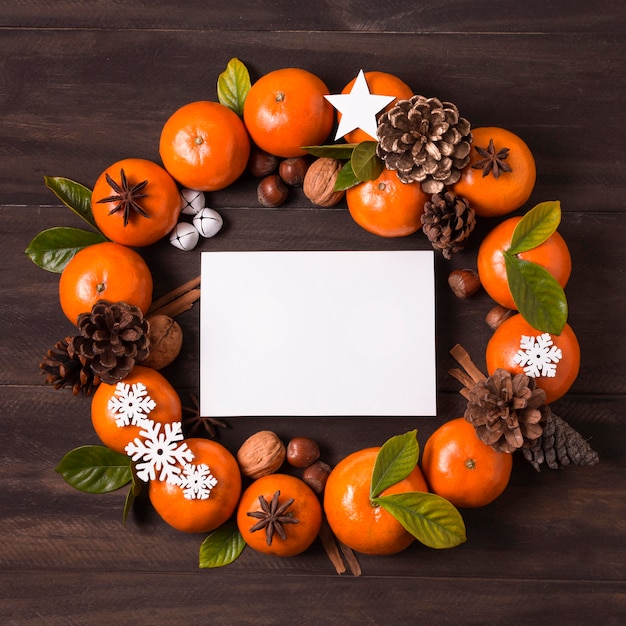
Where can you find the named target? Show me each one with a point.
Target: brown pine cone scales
(65, 368)
(447, 221)
(113, 337)
(425, 140)
(508, 411)
(559, 446)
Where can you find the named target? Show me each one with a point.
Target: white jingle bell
(208, 222)
(191, 201)
(184, 236)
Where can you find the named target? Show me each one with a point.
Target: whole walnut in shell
(166, 340)
(319, 182)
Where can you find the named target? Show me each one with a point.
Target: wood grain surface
(83, 84)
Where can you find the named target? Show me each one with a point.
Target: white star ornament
(358, 108)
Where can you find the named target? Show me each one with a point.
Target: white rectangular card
(317, 334)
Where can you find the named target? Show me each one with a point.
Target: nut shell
(302, 452)
(319, 182)
(261, 454)
(166, 340)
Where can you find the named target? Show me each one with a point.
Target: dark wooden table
(83, 84)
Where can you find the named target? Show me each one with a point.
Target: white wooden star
(358, 108)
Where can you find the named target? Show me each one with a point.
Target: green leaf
(134, 490)
(365, 164)
(95, 469)
(233, 85)
(222, 546)
(52, 249)
(339, 151)
(432, 520)
(73, 195)
(345, 178)
(537, 294)
(536, 226)
(395, 460)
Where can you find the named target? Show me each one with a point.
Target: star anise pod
(492, 162)
(195, 423)
(126, 196)
(272, 517)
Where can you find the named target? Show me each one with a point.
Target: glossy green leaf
(536, 226)
(52, 249)
(73, 195)
(95, 469)
(222, 546)
(339, 151)
(537, 294)
(365, 164)
(233, 85)
(345, 178)
(134, 490)
(395, 460)
(432, 520)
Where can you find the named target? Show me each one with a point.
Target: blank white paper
(317, 334)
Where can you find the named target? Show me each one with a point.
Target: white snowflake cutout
(196, 481)
(159, 451)
(131, 403)
(538, 356)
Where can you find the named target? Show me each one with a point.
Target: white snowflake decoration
(132, 404)
(538, 356)
(196, 481)
(159, 451)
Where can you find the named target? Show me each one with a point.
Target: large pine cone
(508, 411)
(425, 140)
(447, 221)
(114, 336)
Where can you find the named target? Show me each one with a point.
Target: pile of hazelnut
(264, 453)
(316, 177)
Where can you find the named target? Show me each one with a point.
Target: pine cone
(425, 140)
(447, 221)
(114, 336)
(559, 446)
(64, 368)
(508, 411)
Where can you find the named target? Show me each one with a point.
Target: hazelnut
(316, 475)
(464, 283)
(302, 451)
(166, 340)
(272, 191)
(497, 315)
(261, 163)
(261, 454)
(319, 182)
(293, 170)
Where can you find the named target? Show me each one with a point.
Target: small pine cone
(508, 411)
(559, 446)
(425, 140)
(64, 368)
(447, 221)
(114, 336)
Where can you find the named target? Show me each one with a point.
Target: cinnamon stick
(170, 296)
(179, 305)
(330, 546)
(353, 563)
(463, 358)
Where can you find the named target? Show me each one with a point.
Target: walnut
(319, 182)
(166, 340)
(261, 454)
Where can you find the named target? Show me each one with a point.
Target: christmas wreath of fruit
(403, 163)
